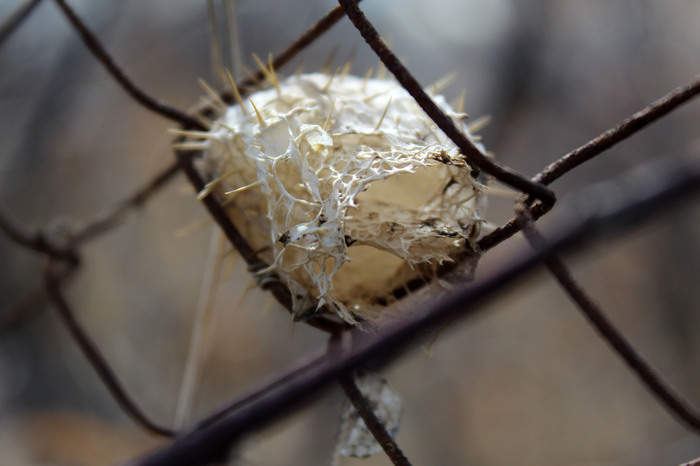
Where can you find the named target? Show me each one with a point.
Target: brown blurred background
(528, 382)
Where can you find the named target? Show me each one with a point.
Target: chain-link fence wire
(528, 382)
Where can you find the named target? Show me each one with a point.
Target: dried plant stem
(233, 33)
(286, 55)
(101, 54)
(217, 58)
(473, 155)
(303, 41)
(607, 331)
(375, 426)
(52, 280)
(202, 329)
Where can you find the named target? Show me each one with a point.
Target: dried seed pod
(346, 188)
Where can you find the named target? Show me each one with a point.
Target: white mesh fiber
(344, 206)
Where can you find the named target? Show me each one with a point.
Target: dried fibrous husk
(346, 188)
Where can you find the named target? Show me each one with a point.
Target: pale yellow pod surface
(346, 188)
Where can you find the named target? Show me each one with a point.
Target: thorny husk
(345, 187)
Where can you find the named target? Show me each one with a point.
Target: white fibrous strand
(345, 187)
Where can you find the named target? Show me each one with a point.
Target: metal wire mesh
(483, 410)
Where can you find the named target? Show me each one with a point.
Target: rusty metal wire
(475, 157)
(146, 100)
(607, 329)
(16, 18)
(600, 214)
(52, 278)
(211, 439)
(595, 147)
(375, 426)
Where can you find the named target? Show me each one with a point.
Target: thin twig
(52, 280)
(92, 42)
(620, 132)
(233, 34)
(607, 330)
(473, 155)
(35, 241)
(217, 57)
(618, 210)
(202, 330)
(118, 213)
(375, 426)
(286, 55)
(16, 18)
